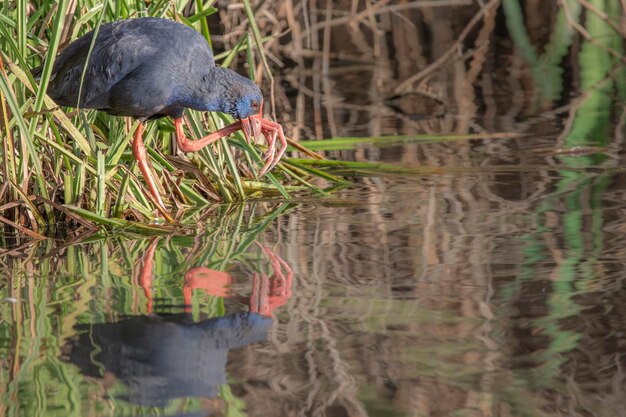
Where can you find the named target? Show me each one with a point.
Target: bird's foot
(272, 156)
(255, 126)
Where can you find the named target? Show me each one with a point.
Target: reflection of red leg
(259, 298)
(211, 281)
(270, 293)
(280, 289)
(145, 276)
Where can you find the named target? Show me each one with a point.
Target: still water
(486, 280)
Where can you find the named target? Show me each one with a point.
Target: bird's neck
(213, 93)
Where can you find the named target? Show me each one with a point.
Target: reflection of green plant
(234, 406)
(94, 281)
(590, 127)
(576, 189)
(546, 70)
(592, 120)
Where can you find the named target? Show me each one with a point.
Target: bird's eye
(255, 105)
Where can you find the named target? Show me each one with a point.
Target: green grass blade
(233, 53)
(257, 36)
(100, 197)
(22, 5)
(17, 114)
(65, 122)
(201, 16)
(96, 30)
(120, 146)
(53, 46)
(230, 162)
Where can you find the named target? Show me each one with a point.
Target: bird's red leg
(139, 150)
(271, 146)
(187, 145)
(253, 124)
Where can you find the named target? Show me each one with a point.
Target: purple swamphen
(149, 68)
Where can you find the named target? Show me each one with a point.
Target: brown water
(488, 284)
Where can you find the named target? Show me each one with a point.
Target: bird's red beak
(252, 125)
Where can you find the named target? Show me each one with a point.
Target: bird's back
(136, 66)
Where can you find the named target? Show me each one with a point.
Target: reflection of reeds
(348, 63)
(462, 246)
(347, 70)
(50, 289)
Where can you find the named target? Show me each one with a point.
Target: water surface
(439, 295)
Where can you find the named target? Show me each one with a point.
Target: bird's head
(242, 99)
(249, 109)
(247, 99)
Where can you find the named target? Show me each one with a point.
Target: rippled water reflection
(430, 295)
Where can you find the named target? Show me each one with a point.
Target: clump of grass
(77, 162)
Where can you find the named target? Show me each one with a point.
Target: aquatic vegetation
(78, 162)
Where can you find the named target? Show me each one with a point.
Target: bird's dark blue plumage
(149, 68)
(168, 357)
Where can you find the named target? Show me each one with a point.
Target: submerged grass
(80, 159)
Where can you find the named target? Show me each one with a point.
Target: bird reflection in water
(164, 357)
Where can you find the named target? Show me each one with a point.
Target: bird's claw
(255, 126)
(272, 156)
(252, 127)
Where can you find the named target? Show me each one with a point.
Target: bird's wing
(116, 53)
